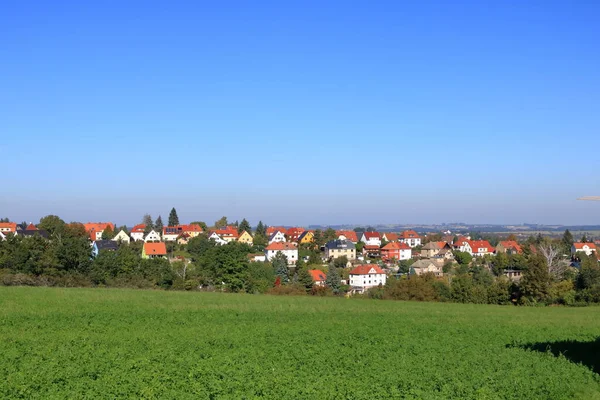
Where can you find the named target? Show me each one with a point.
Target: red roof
(93, 227)
(478, 244)
(138, 228)
(579, 246)
(364, 269)
(281, 246)
(511, 244)
(442, 244)
(410, 234)
(371, 247)
(350, 235)
(395, 246)
(294, 233)
(272, 229)
(228, 231)
(157, 249)
(10, 225)
(192, 228)
(391, 237)
(371, 235)
(317, 275)
(31, 227)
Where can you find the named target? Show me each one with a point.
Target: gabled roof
(365, 269)
(396, 246)
(157, 249)
(372, 235)
(350, 235)
(317, 275)
(580, 246)
(10, 225)
(274, 234)
(431, 246)
(272, 229)
(192, 228)
(294, 233)
(93, 227)
(410, 234)
(106, 245)
(391, 237)
(31, 227)
(228, 231)
(140, 228)
(371, 247)
(478, 244)
(511, 244)
(279, 246)
(303, 235)
(340, 244)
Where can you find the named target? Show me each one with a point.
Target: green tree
(52, 224)
(147, 220)
(329, 235)
(567, 241)
(261, 229)
(158, 224)
(319, 238)
(244, 226)
(4, 220)
(280, 266)
(462, 257)
(500, 263)
(221, 223)
(535, 284)
(305, 278)
(201, 224)
(315, 258)
(108, 233)
(173, 218)
(584, 238)
(589, 275)
(260, 241)
(199, 246)
(340, 262)
(404, 265)
(333, 280)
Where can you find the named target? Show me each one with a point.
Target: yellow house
(245, 237)
(306, 237)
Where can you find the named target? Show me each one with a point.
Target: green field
(104, 343)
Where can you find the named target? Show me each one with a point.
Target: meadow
(111, 343)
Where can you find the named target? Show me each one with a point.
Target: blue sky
(301, 112)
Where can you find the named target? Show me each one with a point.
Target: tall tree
(584, 238)
(535, 283)
(305, 278)
(244, 226)
(333, 280)
(52, 224)
(567, 240)
(261, 229)
(147, 220)
(280, 265)
(173, 218)
(329, 235)
(221, 223)
(158, 224)
(108, 233)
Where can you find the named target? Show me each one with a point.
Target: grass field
(101, 343)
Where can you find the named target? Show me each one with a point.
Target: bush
(288, 290)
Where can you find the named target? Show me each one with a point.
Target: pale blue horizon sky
(301, 112)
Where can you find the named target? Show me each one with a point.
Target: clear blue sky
(301, 112)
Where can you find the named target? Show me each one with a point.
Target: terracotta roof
(370, 235)
(442, 244)
(391, 237)
(371, 247)
(10, 225)
(579, 246)
(317, 275)
(511, 244)
(364, 269)
(192, 228)
(228, 231)
(477, 244)
(158, 249)
(138, 228)
(294, 233)
(395, 246)
(93, 227)
(350, 235)
(410, 234)
(272, 229)
(281, 246)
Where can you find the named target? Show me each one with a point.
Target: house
(171, 233)
(293, 234)
(258, 257)
(3, 235)
(371, 250)
(509, 247)
(318, 277)
(410, 237)
(371, 238)
(32, 231)
(217, 238)
(138, 232)
(152, 236)
(348, 235)
(95, 229)
(122, 237)
(8, 227)
(426, 266)
(437, 250)
(339, 248)
(390, 237)
(184, 238)
(286, 248)
(246, 238)
(512, 274)
(448, 239)
(228, 234)
(192, 229)
(479, 248)
(306, 237)
(396, 250)
(103, 245)
(587, 248)
(277, 236)
(154, 250)
(272, 229)
(365, 277)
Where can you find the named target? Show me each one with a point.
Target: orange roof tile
(580, 245)
(157, 249)
(276, 246)
(410, 234)
(350, 235)
(10, 225)
(317, 275)
(364, 269)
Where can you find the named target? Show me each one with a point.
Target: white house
(171, 233)
(2, 236)
(152, 237)
(218, 239)
(137, 232)
(371, 238)
(587, 248)
(365, 277)
(276, 237)
(287, 248)
(478, 248)
(410, 237)
(122, 237)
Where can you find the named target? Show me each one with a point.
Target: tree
(147, 220)
(221, 223)
(201, 224)
(315, 258)
(341, 262)
(244, 226)
(52, 224)
(535, 284)
(108, 233)
(305, 278)
(199, 246)
(333, 280)
(318, 238)
(551, 254)
(158, 224)
(261, 229)
(4, 220)
(584, 238)
(280, 265)
(462, 257)
(567, 240)
(173, 218)
(329, 235)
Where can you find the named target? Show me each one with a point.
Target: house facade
(371, 238)
(306, 237)
(277, 237)
(365, 277)
(122, 237)
(137, 232)
(480, 248)
(426, 266)
(318, 277)
(339, 248)
(390, 237)
(154, 250)
(152, 236)
(8, 227)
(103, 245)
(396, 250)
(246, 238)
(286, 248)
(587, 248)
(410, 237)
(217, 238)
(95, 229)
(509, 247)
(347, 235)
(293, 234)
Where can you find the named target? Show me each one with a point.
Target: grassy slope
(94, 343)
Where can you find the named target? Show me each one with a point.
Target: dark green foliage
(333, 280)
(147, 220)
(261, 229)
(221, 223)
(259, 277)
(305, 278)
(535, 284)
(200, 224)
(404, 265)
(108, 233)
(225, 266)
(52, 224)
(173, 218)
(199, 245)
(462, 257)
(567, 241)
(329, 235)
(244, 226)
(158, 224)
(340, 262)
(280, 266)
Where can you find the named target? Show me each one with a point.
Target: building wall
(337, 253)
